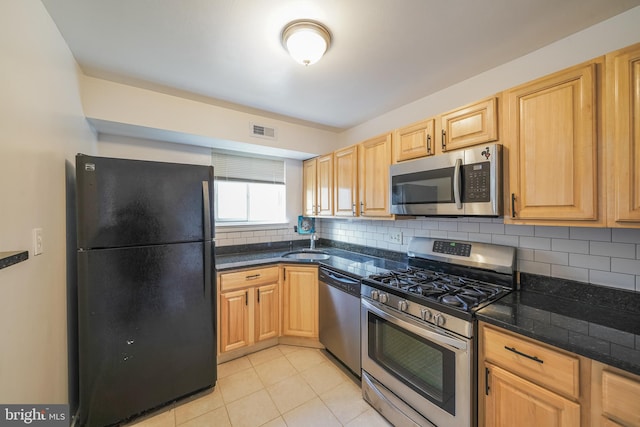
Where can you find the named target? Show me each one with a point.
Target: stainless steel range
(418, 346)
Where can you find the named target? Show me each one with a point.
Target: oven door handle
(423, 330)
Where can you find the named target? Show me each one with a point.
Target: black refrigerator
(146, 286)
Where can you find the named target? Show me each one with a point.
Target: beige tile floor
(280, 386)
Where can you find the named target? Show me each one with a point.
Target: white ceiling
(385, 53)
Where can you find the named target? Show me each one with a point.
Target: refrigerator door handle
(206, 211)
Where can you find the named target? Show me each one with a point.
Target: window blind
(231, 167)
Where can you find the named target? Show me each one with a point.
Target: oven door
(428, 368)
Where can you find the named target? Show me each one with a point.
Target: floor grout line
(316, 358)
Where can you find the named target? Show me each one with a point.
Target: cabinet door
(267, 312)
(325, 185)
(554, 144)
(374, 161)
(623, 136)
(513, 401)
(345, 166)
(470, 125)
(614, 396)
(309, 187)
(234, 320)
(414, 141)
(300, 302)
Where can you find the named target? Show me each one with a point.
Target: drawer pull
(519, 353)
(253, 277)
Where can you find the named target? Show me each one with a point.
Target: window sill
(228, 227)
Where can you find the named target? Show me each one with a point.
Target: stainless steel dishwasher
(339, 322)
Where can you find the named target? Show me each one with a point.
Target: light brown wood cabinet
(309, 187)
(234, 320)
(623, 136)
(514, 401)
(325, 185)
(345, 181)
(523, 382)
(374, 159)
(615, 397)
(300, 301)
(472, 124)
(552, 125)
(249, 307)
(317, 183)
(414, 141)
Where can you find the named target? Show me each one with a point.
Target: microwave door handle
(456, 184)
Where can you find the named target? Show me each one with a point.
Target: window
(248, 190)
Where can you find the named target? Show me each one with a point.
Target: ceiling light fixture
(306, 40)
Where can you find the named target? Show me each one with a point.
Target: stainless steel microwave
(459, 183)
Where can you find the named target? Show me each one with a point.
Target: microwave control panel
(476, 182)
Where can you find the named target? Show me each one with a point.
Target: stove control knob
(383, 298)
(402, 305)
(439, 319)
(374, 295)
(426, 314)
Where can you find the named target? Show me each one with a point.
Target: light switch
(37, 241)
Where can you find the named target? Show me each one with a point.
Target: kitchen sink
(307, 254)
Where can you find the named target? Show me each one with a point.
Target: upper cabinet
(623, 136)
(416, 140)
(317, 179)
(325, 185)
(309, 187)
(345, 181)
(373, 166)
(552, 129)
(469, 125)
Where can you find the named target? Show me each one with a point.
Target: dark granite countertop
(600, 323)
(351, 262)
(10, 258)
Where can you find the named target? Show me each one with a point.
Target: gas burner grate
(451, 290)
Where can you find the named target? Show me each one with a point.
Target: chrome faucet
(312, 241)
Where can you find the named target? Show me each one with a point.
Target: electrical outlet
(395, 237)
(37, 241)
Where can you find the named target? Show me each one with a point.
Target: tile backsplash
(602, 256)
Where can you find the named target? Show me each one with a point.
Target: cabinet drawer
(535, 361)
(244, 278)
(620, 398)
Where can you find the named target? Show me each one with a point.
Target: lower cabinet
(260, 305)
(300, 301)
(249, 307)
(234, 320)
(526, 383)
(514, 401)
(615, 397)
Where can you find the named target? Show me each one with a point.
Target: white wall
(42, 126)
(126, 110)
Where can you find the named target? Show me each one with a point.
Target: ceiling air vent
(262, 131)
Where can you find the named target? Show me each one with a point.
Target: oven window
(434, 186)
(423, 365)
